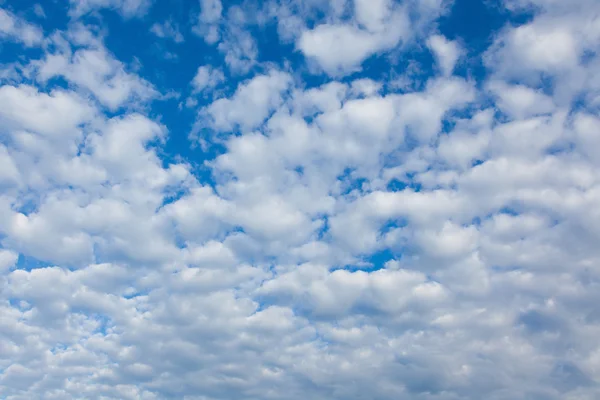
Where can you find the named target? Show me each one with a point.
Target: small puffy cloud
(252, 102)
(338, 45)
(446, 53)
(341, 48)
(232, 32)
(38, 10)
(240, 50)
(167, 30)
(209, 20)
(207, 78)
(539, 47)
(520, 101)
(210, 11)
(558, 47)
(95, 70)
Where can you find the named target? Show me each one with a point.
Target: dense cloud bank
(342, 200)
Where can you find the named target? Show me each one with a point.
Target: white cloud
(169, 30)
(95, 70)
(38, 10)
(210, 10)
(209, 20)
(7, 259)
(341, 48)
(520, 101)
(231, 34)
(372, 14)
(57, 114)
(553, 46)
(17, 29)
(127, 8)
(338, 45)
(541, 47)
(353, 241)
(240, 50)
(251, 103)
(207, 78)
(446, 53)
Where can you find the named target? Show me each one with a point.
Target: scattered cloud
(207, 78)
(95, 70)
(341, 48)
(445, 52)
(127, 8)
(167, 30)
(209, 19)
(39, 11)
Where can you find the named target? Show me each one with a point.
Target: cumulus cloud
(251, 103)
(556, 45)
(338, 45)
(341, 48)
(332, 238)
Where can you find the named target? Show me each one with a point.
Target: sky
(300, 199)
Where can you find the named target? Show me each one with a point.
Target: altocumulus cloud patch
(210, 200)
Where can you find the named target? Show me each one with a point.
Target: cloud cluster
(351, 239)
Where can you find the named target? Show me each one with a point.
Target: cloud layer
(326, 201)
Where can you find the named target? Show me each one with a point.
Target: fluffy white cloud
(372, 14)
(95, 70)
(209, 20)
(251, 103)
(341, 48)
(557, 45)
(520, 101)
(210, 10)
(445, 51)
(540, 47)
(240, 50)
(58, 113)
(338, 45)
(207, 78)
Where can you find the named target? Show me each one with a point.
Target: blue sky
(291, 199)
